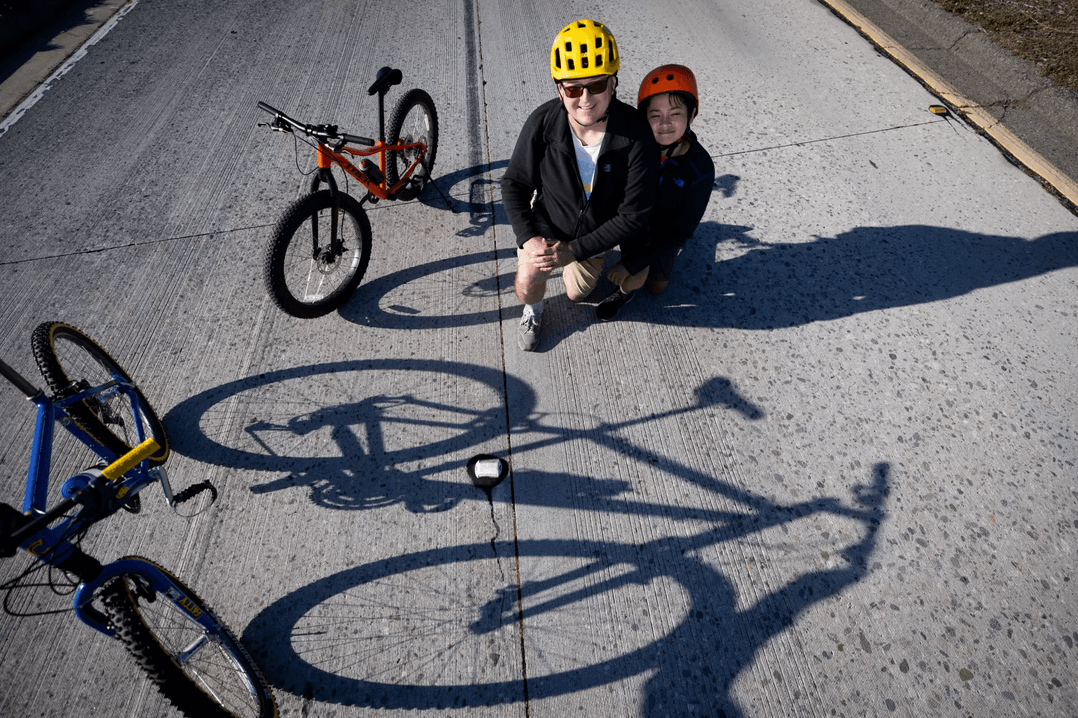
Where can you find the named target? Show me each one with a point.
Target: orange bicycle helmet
(584, 48)
(669, 78)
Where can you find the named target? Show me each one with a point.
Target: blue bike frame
(156, 578)
(50, 544)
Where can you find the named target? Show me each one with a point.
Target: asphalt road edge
(1062, 186)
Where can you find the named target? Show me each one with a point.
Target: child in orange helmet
(582, 176)
(669, 99)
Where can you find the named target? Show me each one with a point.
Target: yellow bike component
(130, 460)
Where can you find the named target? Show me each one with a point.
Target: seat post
(382, 114)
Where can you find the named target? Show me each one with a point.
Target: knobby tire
(305, 285)
(414, 119)
(220, 681)
(69, 360)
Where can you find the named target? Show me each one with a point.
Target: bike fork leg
(326, 176)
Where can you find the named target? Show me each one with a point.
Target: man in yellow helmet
(582, 177)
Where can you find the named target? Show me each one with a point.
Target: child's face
(668, 117)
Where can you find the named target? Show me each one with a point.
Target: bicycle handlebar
(111, 473)
(19, 381)
(322, 132)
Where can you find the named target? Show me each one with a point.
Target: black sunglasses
(594, 88)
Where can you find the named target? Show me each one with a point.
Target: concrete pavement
(830, 472)
(1032, 121)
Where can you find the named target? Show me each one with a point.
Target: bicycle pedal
(132, 505)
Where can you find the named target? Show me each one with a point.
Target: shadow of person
(769, 286)
(762, 286)
(727, 184)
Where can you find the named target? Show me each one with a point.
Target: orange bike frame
(327, 156)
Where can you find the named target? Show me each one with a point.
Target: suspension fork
(324, 174)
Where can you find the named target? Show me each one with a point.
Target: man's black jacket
(544, 161)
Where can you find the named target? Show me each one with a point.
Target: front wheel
(204, 673)
(414, 120)
(70, 361)
(305, 274)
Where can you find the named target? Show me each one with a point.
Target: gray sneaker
(528, 336)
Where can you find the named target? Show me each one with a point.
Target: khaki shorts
(581, 277)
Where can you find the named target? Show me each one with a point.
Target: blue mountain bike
(192, 657)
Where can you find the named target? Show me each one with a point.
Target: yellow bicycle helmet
(584, 48)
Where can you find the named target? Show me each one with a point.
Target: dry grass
(1044, 32)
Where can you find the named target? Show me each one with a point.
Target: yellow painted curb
(975, 114)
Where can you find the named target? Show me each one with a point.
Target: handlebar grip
(130, 460)
(267, 108)
(357, 140)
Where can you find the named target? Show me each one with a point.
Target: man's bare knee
(530, 287)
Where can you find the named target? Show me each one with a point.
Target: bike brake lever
(276, 126)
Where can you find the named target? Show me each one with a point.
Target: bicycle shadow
(317, 641)
(482, 216)
(334, 626)
(366, 474)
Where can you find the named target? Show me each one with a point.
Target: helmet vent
(583, 48)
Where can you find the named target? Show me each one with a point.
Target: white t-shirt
(586, 157)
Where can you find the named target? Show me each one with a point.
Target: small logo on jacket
(607, 168)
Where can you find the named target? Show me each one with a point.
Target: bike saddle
(386, 79)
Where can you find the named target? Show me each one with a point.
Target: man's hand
(547, 254)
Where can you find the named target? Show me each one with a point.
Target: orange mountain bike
(322, 243)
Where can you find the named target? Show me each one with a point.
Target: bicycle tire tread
(284, 232)
(409, 100)
(42, 343)
(170, 679)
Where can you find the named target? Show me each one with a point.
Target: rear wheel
(414, 119)
(205, 674)
(304, 274)
(70, 361)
